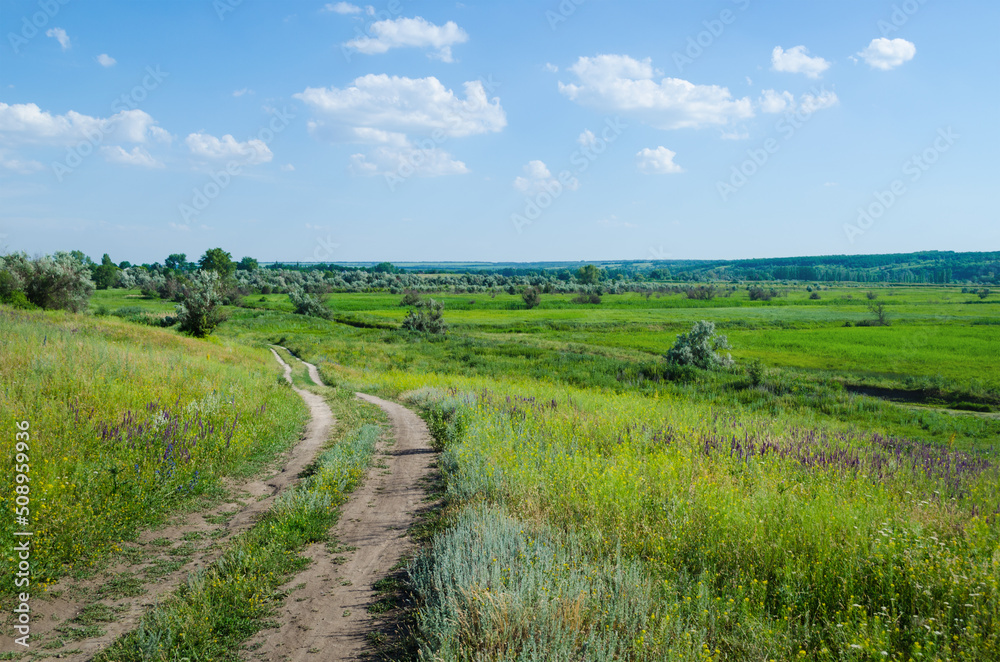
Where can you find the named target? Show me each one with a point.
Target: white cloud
(797, 61)
(886, 54)
(411, 32)
(106, 60)
(659, 161)
(811, 103)
(587, 138)
(342, 8)
(538, 178)
(785, 102)
(776, 102)
(735, 135)
(406, 119)
(403, 105)
(288, 167)
(252, 152)
(404, 159)
(26, 122)
(59, 35)
(239, 93)
(551, 68)
(20, 167)
(137, 157)
(619, 83)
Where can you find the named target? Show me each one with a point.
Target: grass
(221, 607)
(127, 424)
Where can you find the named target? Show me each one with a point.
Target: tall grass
(791, 542)
(126, 424)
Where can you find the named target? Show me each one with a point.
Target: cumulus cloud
(251, 152)
(411, 33)
(537, 178)
(106, 60)
(886, 54)
(137, 157)
(342, 8)
(405, 160)
(19, 166)
(59, 35)
(241, 92)
(405, 119)
(26, 122)
(551, 68)
(798, 61)
(659, 161)
(773, 101)
(619, 83)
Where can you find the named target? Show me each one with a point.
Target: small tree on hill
(532, 297)
(700, 348)
(588, 274)
(307, 304)
(427, 317)
(199, 313)
(219, 261)
(106, 274)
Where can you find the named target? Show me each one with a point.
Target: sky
(498, 131)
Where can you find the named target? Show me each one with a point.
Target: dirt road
(326, 614)
(167, 554)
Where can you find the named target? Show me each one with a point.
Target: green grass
(127, 424)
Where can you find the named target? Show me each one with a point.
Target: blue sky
(512, 131)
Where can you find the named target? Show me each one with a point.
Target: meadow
(595, 504)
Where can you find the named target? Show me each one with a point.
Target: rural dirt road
(326, 614)
(161, 570)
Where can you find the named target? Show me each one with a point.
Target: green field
(844, 504)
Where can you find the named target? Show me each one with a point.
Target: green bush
(199, 313)
(700, 348)
(532, 297)
(59, 281)
(307, 304)
(426, 318)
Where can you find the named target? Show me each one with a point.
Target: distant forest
(929, 267)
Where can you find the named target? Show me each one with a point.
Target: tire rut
(254, 498)
(325, 616)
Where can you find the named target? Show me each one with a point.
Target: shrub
(426, 318)
(755, 372)
(983, 293)
(760, 294)
(700, 348)
(587, 297)
(410, 298)
(878, 310)
(307, 304)
(814, 296)
(701, 293)
(872, 295)
(60, 281)
(532, 297)
(199, 313)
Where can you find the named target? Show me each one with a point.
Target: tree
(106, 274)
(307, 304)
(983, 293)
(700, 348)
(878, 310)
(199, 313)
(532, 297)
(248, 264)
(61, 281)
(427, 317)
(176, 261)
(588, 274)
(385, 268)
(219, 261)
